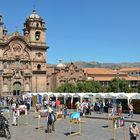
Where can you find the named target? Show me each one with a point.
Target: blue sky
(82, 30)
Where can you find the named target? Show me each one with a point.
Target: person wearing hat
(134, 131)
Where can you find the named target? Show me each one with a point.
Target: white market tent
(121, 95)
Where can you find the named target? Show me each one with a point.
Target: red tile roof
(101, 71)
(129, 69)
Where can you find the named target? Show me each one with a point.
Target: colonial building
(23, 66)
(104, 75)
(23, 58)
(62, 74)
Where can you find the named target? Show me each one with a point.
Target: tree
(119, 85)
(67, 87)
(124, 86)
(80, 87)
(114, 85)
(138, 87)
(86, 86)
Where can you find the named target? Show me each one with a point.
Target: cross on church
(16, 28)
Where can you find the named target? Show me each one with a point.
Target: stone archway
(16, 88)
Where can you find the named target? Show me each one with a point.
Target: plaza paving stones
(92, 129)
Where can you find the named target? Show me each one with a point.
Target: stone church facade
(23, 66)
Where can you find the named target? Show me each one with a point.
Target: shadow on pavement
(67, 134)
(105, 126)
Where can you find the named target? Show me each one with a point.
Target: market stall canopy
(82, 95)
(99, 95)
(109, 95)
(121, 95)
(136, 96)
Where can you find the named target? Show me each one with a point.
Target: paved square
(92, 129)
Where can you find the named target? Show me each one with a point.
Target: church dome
(34, 15)
(60, 64)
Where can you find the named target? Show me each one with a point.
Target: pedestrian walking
(65, 111)
(134, 131)
(131, 108)
(14, 113)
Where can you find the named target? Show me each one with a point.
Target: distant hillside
(106, 65)
(82, 64)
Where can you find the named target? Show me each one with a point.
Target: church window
(5, 65)
(38, 67)
(27, 87)
(37, 35)
(37, 25)
(5, 88)
(26, 65)
(17, 63)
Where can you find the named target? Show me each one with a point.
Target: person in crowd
(38, 107)
(84, 107)
(101, 107)
(119, 110)
(98, 106)
(46, 103)
(28, 103)
(11, 101)
(134, 131)
(17, 103)
(51, 120)
(2, 120)
(53, 104)
(65, 111)
(131, 108)
(14, 113)
(7, 101)
(77, 105)
(57, 105)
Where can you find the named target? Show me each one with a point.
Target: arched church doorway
(16, 88)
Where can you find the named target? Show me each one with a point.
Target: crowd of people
(85, 107)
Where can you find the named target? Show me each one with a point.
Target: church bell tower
(34, 28)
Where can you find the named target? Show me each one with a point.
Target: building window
(38, 67)
(17, 63)
(27, 87)
(5, 88)
(5, 65)
(37, 35)
(37, 25)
